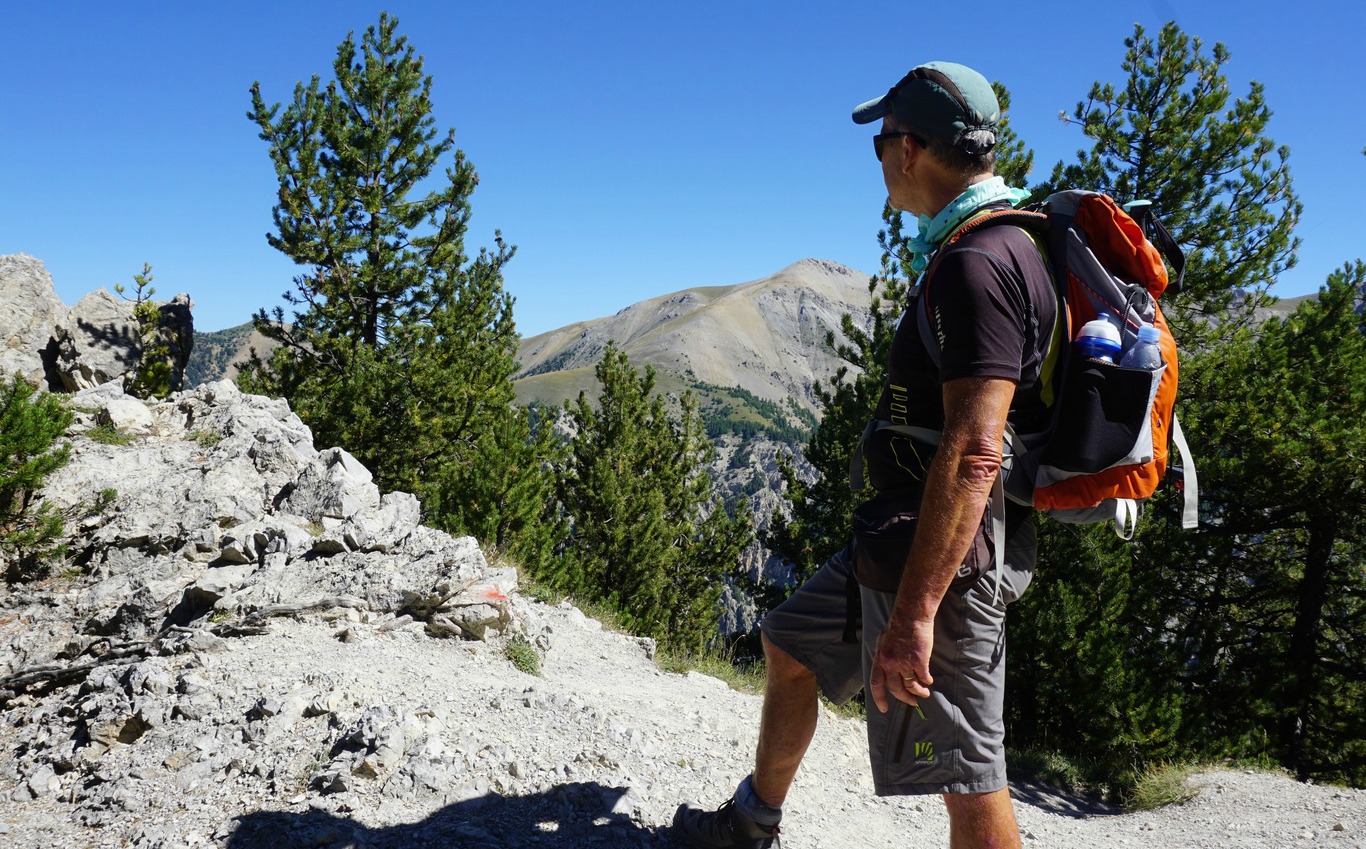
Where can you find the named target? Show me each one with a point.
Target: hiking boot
(722, 828)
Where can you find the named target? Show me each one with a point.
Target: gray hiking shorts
(953, 742)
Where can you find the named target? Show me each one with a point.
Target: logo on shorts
(924, 752)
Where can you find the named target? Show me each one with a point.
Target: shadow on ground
(568, 817)
(1061, 802)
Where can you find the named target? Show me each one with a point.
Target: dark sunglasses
(882, 138)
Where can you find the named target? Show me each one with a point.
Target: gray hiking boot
(721, 829)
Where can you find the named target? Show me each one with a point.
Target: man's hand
(901, 666)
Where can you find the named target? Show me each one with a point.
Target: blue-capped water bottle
(1146, 353)
(1098, 340)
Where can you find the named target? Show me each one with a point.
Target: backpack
(1106, 450)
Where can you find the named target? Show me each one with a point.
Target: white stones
(43, 782)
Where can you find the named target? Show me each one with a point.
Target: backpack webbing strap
(1162, 239)
(1128, 511)
(1011, 447)
(1190, 509)
(1126, 518)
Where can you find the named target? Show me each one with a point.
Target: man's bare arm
(956, 491)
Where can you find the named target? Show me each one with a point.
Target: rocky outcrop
(222, 508)
(96, 341)
(30, 313)
(196, 523)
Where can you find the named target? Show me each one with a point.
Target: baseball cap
(941, 100)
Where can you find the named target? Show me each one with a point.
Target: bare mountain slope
(218, 354)
(766, 336)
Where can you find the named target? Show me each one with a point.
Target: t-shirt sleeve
(978, 316)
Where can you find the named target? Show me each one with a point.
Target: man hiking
(931, 652)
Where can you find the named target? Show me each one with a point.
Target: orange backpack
(1106, 451)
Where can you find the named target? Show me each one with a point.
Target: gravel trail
(361, 733)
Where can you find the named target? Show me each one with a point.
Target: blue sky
(628, 149)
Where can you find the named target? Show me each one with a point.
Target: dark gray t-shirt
(991, 304)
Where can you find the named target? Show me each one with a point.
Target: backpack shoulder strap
(1034, 224)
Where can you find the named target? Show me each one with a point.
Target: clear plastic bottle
(1146, 352)
(1098, 340)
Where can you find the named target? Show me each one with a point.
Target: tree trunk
(1301, 659)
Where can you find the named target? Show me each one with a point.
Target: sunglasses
(881, 139)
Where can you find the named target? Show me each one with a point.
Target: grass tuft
(741, 677)
(107, 434)
(1160, 785)
(523, 655)
(205, 438)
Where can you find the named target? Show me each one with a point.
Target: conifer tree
(401, 345)
(1265, 608)
(1099, 609)
(152, 377)
(30, 424)
(649, 537)
(1173, 133)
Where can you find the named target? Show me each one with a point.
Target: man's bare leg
(982, 821)
(786, 726)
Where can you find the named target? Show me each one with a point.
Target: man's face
(893, 165)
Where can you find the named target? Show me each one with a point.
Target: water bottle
(1146, 352)
(1098, 340)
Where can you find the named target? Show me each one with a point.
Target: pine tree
(649, 537)
(1170, 134)
(30, 424)
(1102, 611)
(401, 346)
(1266, 606)
(152, 377)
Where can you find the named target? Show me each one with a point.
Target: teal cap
(941, 100)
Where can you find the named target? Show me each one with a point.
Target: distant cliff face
(766, 337)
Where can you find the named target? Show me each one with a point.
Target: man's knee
(783, 665)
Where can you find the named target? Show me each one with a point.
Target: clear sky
(628, 149)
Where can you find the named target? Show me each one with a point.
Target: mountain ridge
(765, 336)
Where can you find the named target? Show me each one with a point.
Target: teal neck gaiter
(934, 230)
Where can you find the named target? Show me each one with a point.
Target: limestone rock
(90, 344)
(100, 340)
(335, 486)
(29, 314)
(97, 341)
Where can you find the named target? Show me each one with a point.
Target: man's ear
(910, 152)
